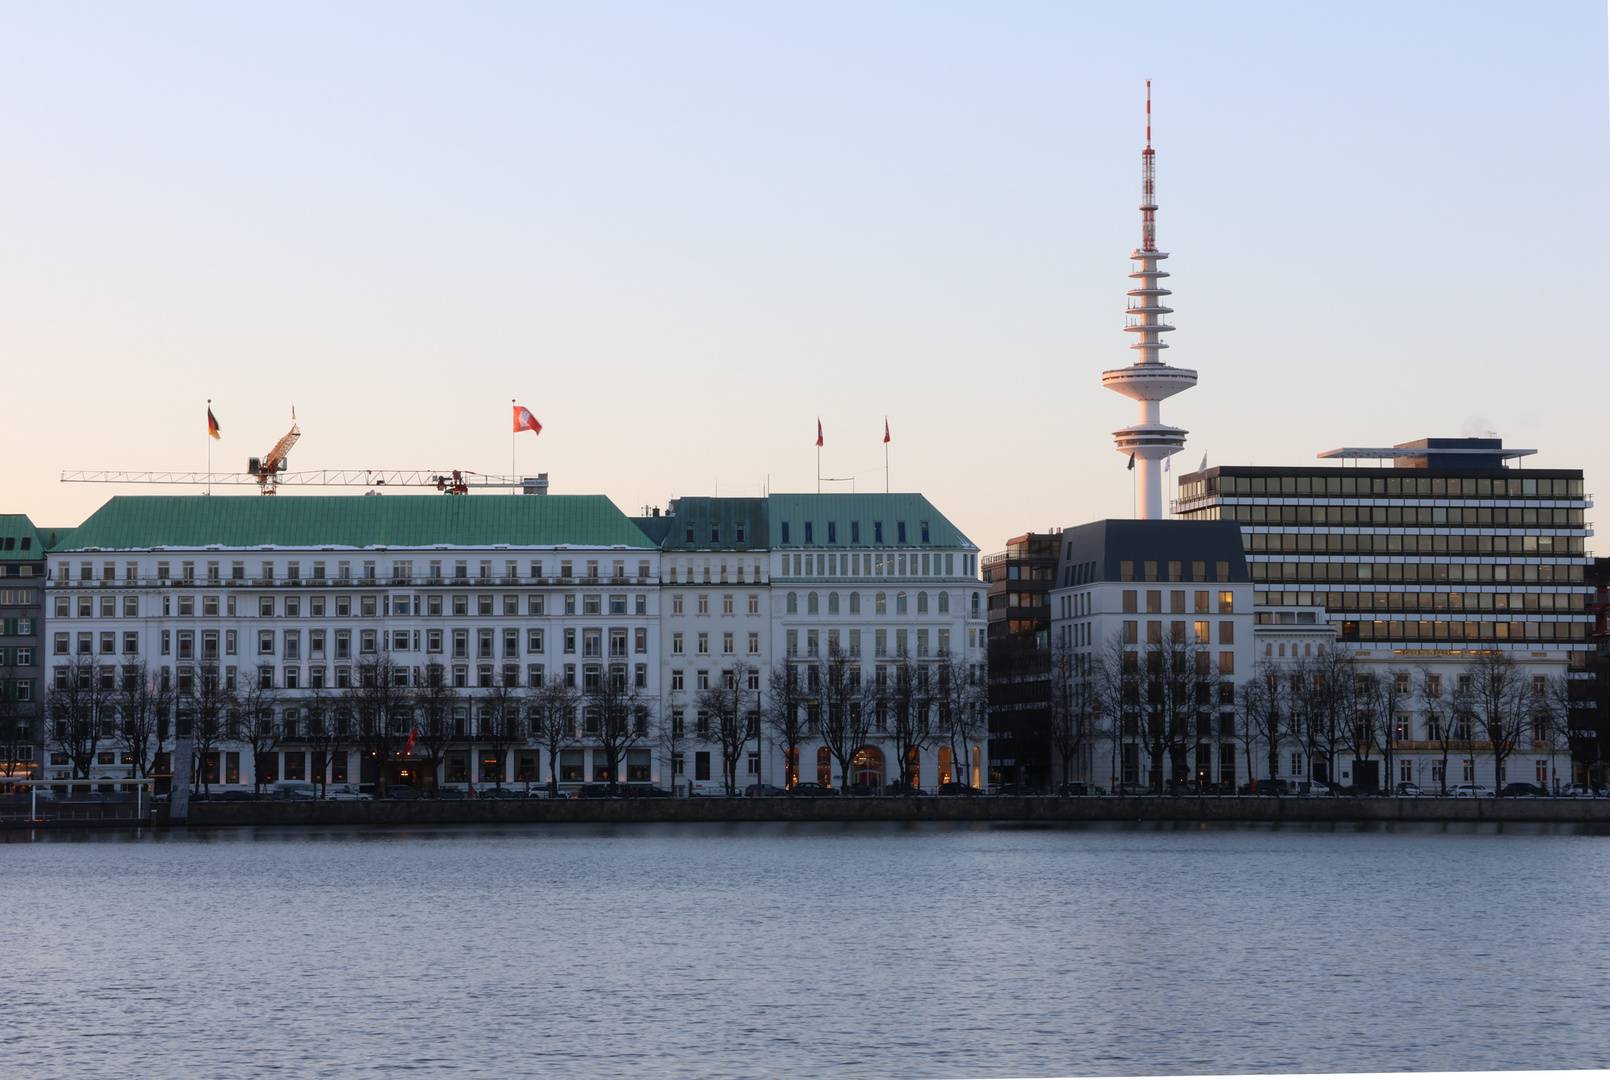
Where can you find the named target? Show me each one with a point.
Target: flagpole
(513, 470)
(209, 448)
(886, 455)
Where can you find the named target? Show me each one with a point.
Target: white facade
(301, 621)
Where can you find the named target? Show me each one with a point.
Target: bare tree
(1115, 689)
(1325, 699)
(204, 706)
(551, 714)
(849, 701)
(138, 711)
(434, 703)
(1264, 713)
(1389, 694)
(616, 718)
(498, 724)
(319, 734)
(1169, 702)
(257, 725)
(1435, 702)
(961, 696)
(908, 702)
(79, 705)
(381, 711)
(786, 717)
(727, 728)
(1501, 700)
(1073, 709)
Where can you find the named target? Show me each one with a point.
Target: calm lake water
(803, 951)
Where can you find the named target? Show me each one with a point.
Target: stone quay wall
(982, 809)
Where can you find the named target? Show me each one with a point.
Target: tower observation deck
(1148, 380)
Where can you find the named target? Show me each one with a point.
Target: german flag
(212, 424)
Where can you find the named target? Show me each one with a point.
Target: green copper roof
(849, 514)
(715, 524)
(19, 540)
(130, 522)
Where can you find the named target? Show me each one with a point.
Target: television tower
(1148, 380)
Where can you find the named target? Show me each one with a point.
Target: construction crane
(448, 481)
(267, 469)
(269, 473)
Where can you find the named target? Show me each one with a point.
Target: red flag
(885, 429)
(818, 431)
(212, 424)
(408, 747)
(524, 421)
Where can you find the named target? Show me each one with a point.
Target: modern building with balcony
(1438, 555)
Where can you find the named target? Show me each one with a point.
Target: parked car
(861, 790)
(1522, 790)
(811, 790)
(1472, 791)
(1073, 789)
(1408, 789)
(897, 788)
(242, 795)
(1142, 789)
(288, 789)
(762, 791)
(403, 793)
(647, 791)
(1322, 787)
(956, 787)
(1577, 791)
(454, 793)
(343, 792)
(594, 791)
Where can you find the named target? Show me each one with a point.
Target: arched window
(975, 605)
(900, 603)
(880, 604)
(832, 603)
(855, 603)
(810, 604)
(824, 767)
(944, 603)
(922, 603)
(793, 603)
(867, 767)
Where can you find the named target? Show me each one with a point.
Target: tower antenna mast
(1148, 380)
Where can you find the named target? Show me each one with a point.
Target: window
(880, 604)
(1227, 663)
(265, 643)
(1226, 602)
(1227, 634)
(792, 603)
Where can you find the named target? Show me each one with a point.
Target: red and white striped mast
(1148, 380)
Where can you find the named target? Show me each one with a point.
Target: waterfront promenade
(919, 808)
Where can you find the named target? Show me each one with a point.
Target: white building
(750, 585)
(294, 595)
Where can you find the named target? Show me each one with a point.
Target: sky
(680, 233)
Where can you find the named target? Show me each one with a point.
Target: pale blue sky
(678, 233)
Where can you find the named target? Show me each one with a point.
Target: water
(803, 951)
